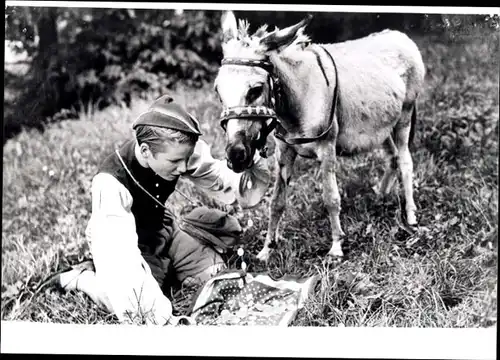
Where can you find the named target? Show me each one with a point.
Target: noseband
(276, 100)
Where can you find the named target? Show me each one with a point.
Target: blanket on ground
(239, 298)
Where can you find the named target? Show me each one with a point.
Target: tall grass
(443, 275)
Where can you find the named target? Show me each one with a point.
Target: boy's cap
(164, 112)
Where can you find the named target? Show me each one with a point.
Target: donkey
(322, 101)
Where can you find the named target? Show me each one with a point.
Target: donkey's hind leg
(390, 174)
(405, 162)
(285, 158)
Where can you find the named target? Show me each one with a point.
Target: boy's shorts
(182, 257)
(193, 260)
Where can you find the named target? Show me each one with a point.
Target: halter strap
(264, 112)
(117, 152)
(246, 112)
(265, 64)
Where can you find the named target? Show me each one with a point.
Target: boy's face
(171, 161)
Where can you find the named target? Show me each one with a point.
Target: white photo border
(317, 342)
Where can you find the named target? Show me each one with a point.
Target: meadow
(442, 275)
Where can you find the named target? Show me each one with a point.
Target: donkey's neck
(290, 86)
(298, 74)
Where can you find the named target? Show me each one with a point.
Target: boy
(134, 239)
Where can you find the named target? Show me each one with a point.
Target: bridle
(261, 111)
(276, 100)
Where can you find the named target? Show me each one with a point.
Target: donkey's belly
(351, 144)
(347, 144)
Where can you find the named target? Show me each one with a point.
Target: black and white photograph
(198, 168)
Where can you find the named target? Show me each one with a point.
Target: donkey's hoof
(411, 219)
(334, 261)
(263, 255)
(336, 251)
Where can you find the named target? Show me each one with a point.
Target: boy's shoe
(62, 280)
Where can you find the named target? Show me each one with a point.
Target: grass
(443, 275)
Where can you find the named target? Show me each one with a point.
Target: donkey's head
(246, 86)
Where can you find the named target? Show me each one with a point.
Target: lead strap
(143, 189)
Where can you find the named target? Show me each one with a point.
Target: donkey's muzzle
(239, 157)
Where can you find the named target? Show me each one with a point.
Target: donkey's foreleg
(285, 158)
(401, 138)
(331, 198)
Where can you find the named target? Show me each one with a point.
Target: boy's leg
(153, 244)
(159, 268)
(82, 277)
(193, 261)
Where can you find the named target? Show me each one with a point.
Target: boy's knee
(205, 275)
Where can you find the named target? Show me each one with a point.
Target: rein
(275, 99)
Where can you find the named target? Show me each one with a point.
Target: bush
(109, 56)
(128, 53)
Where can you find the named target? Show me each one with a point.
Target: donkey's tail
(412, 125)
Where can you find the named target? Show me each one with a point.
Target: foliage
(108, 56)
(465, 115)
(19, 27)
(141, 53)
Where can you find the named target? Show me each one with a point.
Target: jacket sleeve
(121, 270)
(217, 180)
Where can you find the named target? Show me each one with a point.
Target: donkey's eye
(254, 93)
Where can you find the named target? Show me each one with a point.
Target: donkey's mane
(301, 40)
(243, 27)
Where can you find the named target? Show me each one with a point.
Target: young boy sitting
(135, 240)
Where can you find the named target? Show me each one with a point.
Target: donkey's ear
(284, 37)
(229, 26)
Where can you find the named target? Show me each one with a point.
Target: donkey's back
(379, 75)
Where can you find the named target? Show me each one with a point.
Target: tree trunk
(42, 97)
(47, 37)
